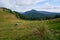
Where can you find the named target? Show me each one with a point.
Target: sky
(26, 5)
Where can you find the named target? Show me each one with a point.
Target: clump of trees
(21, 16)
(57, 16)
(7, 10)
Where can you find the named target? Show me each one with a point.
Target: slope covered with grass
(26, 29)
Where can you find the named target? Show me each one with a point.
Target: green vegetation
(27, 29)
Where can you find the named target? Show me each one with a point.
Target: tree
(57, 16)
(47, 17)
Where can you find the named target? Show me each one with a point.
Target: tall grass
(27, 29)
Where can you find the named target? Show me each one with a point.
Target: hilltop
(27, 29)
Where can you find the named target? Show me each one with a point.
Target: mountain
(34, 14)
(51, 14)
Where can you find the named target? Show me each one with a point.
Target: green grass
(26, 29)
(54, 24)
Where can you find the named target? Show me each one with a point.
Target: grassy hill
(27, 29)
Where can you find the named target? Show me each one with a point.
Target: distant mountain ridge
(33, 14)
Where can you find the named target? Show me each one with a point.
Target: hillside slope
(6, 17)
(25, 29)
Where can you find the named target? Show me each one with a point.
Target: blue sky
(25, 5)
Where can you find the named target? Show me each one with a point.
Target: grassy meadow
(28, 29)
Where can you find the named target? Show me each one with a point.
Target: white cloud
(44, 6)
(6, 3)
(48, 7)
(25, 5)
(27, 2)
(56, 0)
(19, 5)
